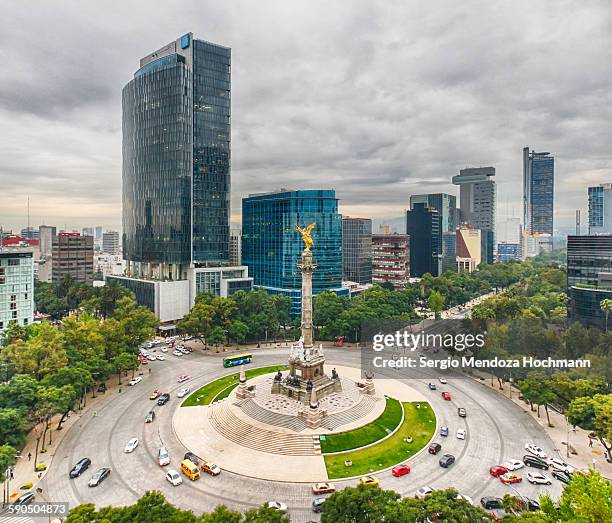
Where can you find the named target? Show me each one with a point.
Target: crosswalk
(6, 518)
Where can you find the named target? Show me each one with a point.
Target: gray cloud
(378, 100)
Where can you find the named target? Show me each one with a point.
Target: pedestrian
(590, 442)
(12, 473)
(149, 370)
(29, 456)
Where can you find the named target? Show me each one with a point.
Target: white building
(16, 288)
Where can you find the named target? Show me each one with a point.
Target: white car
(537, 451)
(151, 357)
(513, 464)
(465, 498)
(177, 353)
(538, 478)
(187, 338)
(277, 505)
(443, 381)
(183, 392)
(135, 381)
(160, 357)
(184, 350)
(174, 477)
(163, 457)
(461, 434)
(131, 445)
(424, 491)
(559, 464)
(164, 349)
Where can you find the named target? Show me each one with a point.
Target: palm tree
(606, 307)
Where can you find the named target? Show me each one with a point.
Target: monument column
(307, 267)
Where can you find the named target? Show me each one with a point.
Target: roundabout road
(496, 430)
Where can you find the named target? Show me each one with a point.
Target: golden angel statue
(305, 232)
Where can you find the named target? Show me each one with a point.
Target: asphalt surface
(496, 430)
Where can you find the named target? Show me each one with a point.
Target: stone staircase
(235, 429)
(257, 412)
(364, 407)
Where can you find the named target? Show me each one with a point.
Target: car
(423, 492)
(188, 349)
(562, 476)
(513, 464)
(163, 399)
(498, 470)
(559, 464)
(164, 349)
(174, 477)
(535, 450)
(372, 481)
(446, 461)
(143, 361)
(183, 392)
(400, 470)
(184, 350)
(537, 478)
(442, 380)
(323, 488)
(510, 477)
(150, 416)
(317, 504)
(530, 504)
(461, 412)
(444, 431)
(446, 396)
(277, 505)
(187, 338)
(160, 357)
(150, 345)
(135, 381)
(151, 357)
(192, 457)
(432, 386)
(99, 476)
(24, 499)
(183, 377)
(163, 457)
(490, 502)
(81, 466)
(461, 434)
(465, 498)
(434, 448)
(532, 461)
(154, 395)
(177, 353)
(131, 445)
(210, 468)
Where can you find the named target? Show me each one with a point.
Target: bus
(238, 359)
(190, 469)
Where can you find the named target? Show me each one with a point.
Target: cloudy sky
(377, 99)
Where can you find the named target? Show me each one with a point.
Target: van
(190, 469)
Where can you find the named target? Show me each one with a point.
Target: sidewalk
(560, 433)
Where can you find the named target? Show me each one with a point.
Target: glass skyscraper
(538, 192)
(357, 249)
(424, 227)
(600, 209)
(176, 160)
(271, 247)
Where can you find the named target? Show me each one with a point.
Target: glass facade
(176, 156)
(423, 225)
(539, 191)
(585, 305)
(357, 249)
(16, 288)
(587, 256)
(600, 209)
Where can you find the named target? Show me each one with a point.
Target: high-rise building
(110, 242)
(391, 259)
(469, 248)
(446, 205)
(357, 249)
(600, 209)
(424, 228)
(235, 246)
(30, 233)
(176, 160)
(72, 256)
(477, 203)
(509, 239)
(87, 231)
(98, 233)
(271, 247)
(47, 233)
(538, 192)
(16, 288)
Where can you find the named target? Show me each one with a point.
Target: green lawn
(219, 389)
(379, 428)
(419, 424)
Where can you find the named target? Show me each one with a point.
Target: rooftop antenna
(28, 229)
(577, 222)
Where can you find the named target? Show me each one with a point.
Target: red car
(497, 470)
(400, 470)
(446, 396)
(183, 377)
(509, 477)
(323, 488)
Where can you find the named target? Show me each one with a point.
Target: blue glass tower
(176, 160)
(538, 192)
(271, 247)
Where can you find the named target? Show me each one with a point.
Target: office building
(110, 242)
(600, 209)
(477, 204)
(391, 260)
(235, 247)
(271, 247)
(72, 256)
(509, 251)
(30, 233)
(16, 288)
(424, 228)
(538, 192)
(98, 233)
(357, 250)
(535, 244)
(469, 249)
(46, 235)
(446, 205)
(88, 231)
(509, 231)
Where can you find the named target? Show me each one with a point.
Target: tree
(137, 322)
(82, 338)
(8, 457)
(594, 414)
(587, 498)
(238, 331)
(123, 363)
(440, 505)
(216, 336)
(435, 302)
(606, 307)
(78, 378)
(14, 332)
(363, 504)
(537, 389)
(221, 514)
(20, 391)
(265, 515)
(198, 322)
(12, 427)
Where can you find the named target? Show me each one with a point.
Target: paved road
(496, 430)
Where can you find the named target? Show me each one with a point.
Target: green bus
(238, 359)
